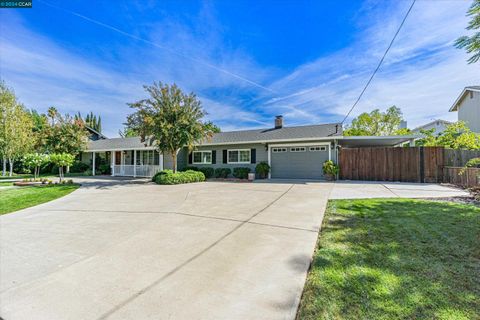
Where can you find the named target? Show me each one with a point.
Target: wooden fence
(468, 178)
(459, 157)
(408, 164)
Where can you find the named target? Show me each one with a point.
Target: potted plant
(262, 169)
(330, 170)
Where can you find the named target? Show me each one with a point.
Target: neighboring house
(468, 107)
(439, 126)
(292, 152)
(94, 135)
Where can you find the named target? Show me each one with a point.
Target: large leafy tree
(64, 134)
(455, 136)
(472, 43)
(169, 119)
(16, 138)
(377, 123)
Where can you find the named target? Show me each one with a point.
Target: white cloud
(423, 72)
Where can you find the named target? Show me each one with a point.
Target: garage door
(298, 162)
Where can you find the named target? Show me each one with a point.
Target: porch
(127, 163)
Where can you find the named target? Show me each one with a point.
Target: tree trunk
(4, 170)
(10, 161)
(68, 169)
(60, 171)
(174, 158)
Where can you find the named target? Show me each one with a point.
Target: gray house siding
(261, 155)
(469, 110)
(182, 158)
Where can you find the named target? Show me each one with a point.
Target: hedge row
(239, 172)
(168, 177)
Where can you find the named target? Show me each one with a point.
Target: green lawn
(43, 175)
(395, 259)
(5, 184)
(24, 197)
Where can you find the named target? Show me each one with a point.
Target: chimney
(278, 122)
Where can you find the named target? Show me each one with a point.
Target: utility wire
(380, 63)
(110, 27)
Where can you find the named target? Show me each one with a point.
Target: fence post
(422, 165)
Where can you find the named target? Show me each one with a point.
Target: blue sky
(246, 60)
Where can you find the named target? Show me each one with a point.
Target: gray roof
(116, 144)
(310, 132)
(272, 134)
(473, 87)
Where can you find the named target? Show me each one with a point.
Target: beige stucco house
(468, 107)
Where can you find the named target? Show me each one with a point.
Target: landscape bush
(241, 172)
(262, 169)
(222, 172)
(207, 171)
(168, 177)
(78, 167)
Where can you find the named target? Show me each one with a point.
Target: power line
(380, 63)
(110, 27)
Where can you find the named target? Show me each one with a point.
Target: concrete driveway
(123, 250)
(126, 249)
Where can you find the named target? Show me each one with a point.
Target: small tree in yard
(169, 119)
(456, 136)
(62, 160)
(35, 161)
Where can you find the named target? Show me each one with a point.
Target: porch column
(160, 160)
(113, 163)
(270, 161)
(134, 163)
(412, 143)
(93, 163)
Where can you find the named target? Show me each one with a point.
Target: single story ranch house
(296, 152)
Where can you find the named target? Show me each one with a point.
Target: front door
(118, 158)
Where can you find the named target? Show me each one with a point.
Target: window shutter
(214, 156)
(190, 156)
(225, 156)
(253, 156)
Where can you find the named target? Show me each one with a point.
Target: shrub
(168, 177)
(79, 167)
(241, 172)
(222, 172)
(207, 171)
(104, 169)
(262, 169)
(330, 169)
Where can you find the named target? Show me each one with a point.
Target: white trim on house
(201, 156)
(239, 162)
(454, 107)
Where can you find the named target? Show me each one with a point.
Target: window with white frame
(239, 156)
(278, 150)
(202, 157)
(298, 149)
(318, 148)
